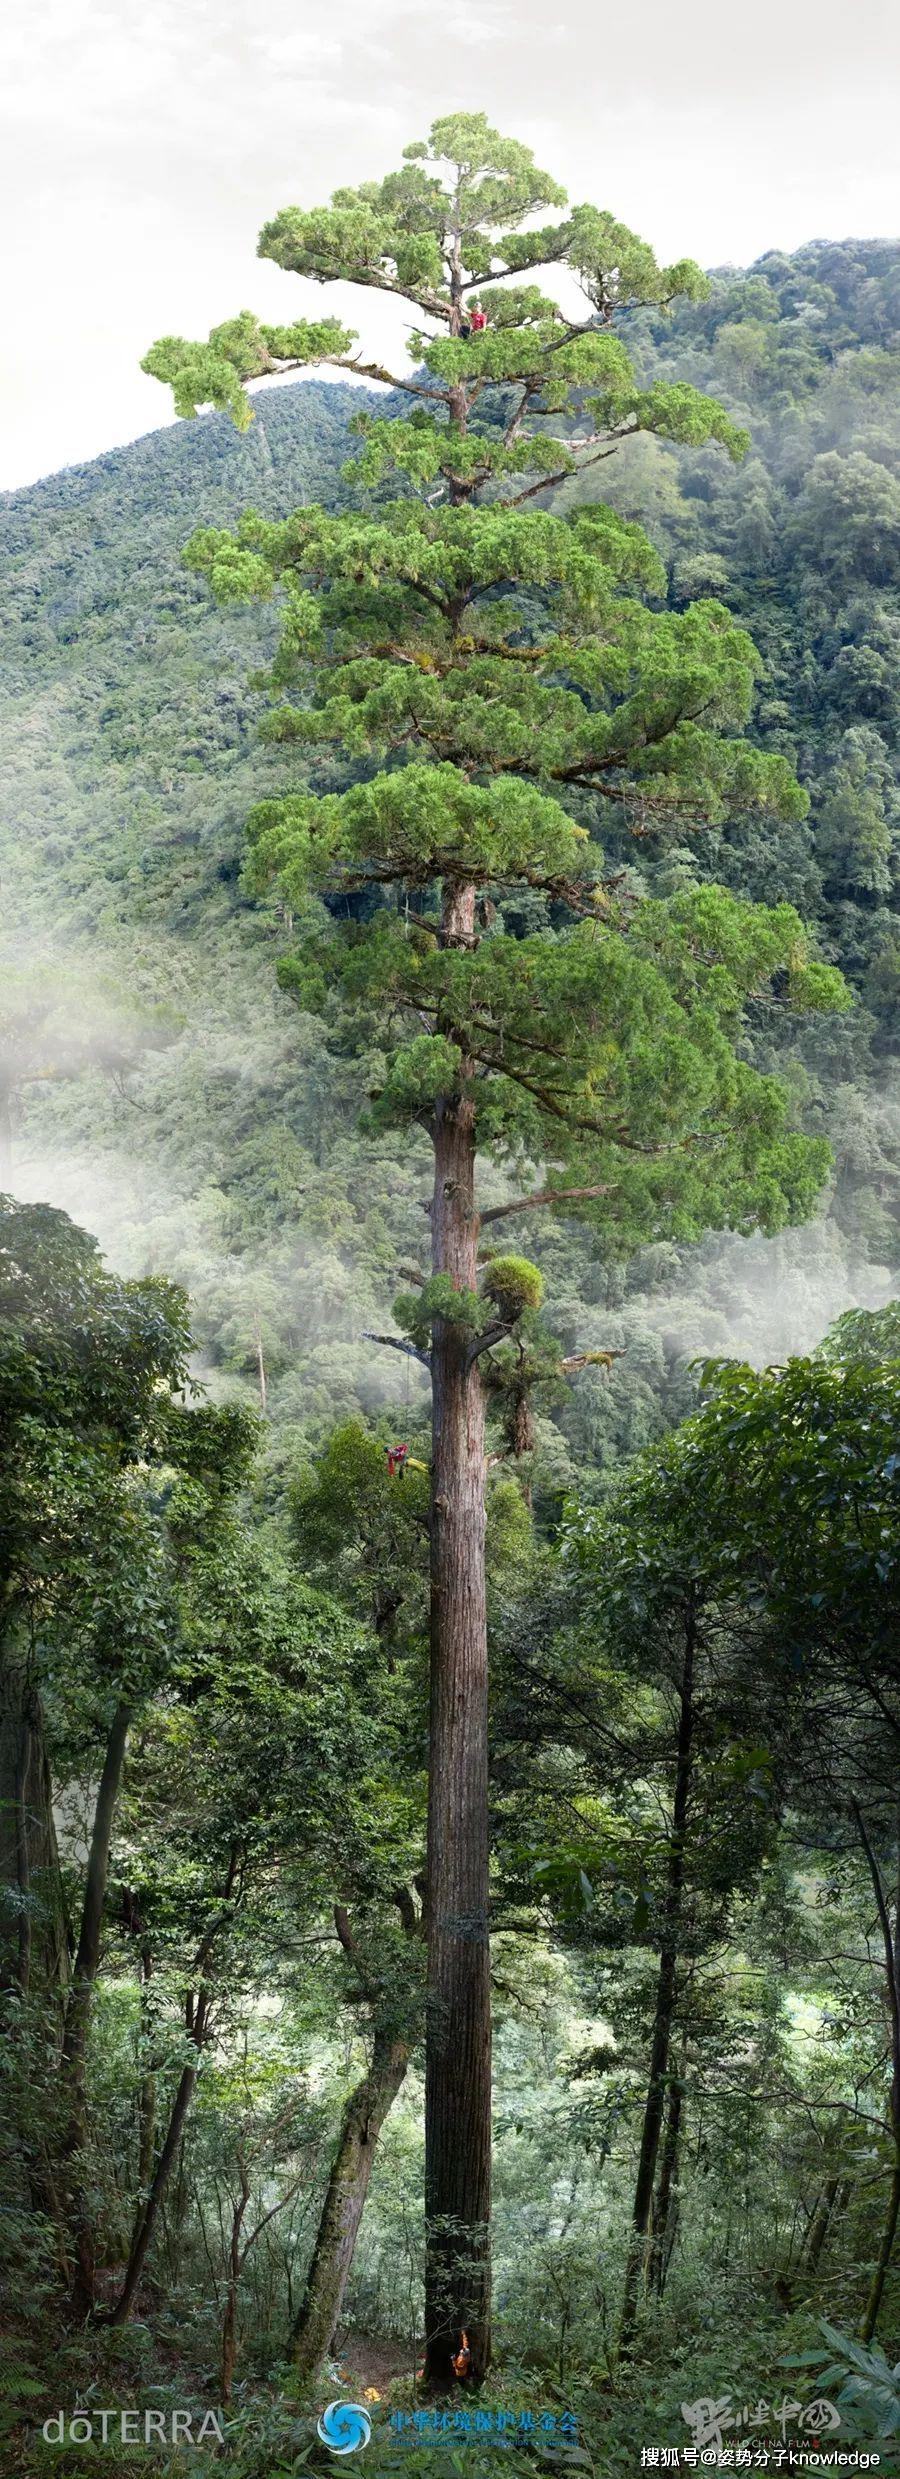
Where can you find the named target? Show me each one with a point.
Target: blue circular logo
(344, 2427)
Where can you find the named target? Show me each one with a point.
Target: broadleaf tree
(495, 677)
(785, 1488)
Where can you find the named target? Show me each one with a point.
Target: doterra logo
(344, 2427)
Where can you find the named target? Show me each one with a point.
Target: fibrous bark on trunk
(458, 2021)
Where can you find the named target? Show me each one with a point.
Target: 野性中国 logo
(344, 2427)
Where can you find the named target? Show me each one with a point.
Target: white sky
(144, 142)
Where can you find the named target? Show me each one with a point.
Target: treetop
(445, 234)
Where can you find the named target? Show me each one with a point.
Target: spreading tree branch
(394, 1342)
(342, 1923)
(497, 1333)
(550, 481)
(412, 1924)
(542, 1196)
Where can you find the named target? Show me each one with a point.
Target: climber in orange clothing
(399, 1460)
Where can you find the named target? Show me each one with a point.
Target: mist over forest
(206, 1120)
(231, 1157)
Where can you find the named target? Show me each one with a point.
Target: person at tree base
(462, 2359)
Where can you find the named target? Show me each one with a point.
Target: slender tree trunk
(458, 408)
(229, 2343)
(640, 2249)
(87, 1958)
(458, 2019)
(196, 2024)
(196, 2015)
(827, 2204)
(146, 2096)
(229, 2319)
(78, 2014)
(665, 2203)
(146, 2137)
(34, 1938)
(342, 2211)
(177, 2218)
(148, 2218)
(33, 1930)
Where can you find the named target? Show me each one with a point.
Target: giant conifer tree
(494, 676)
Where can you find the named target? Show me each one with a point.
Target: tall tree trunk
(458, 404)
(87, 1958)
(229, 2318)
(34, 1949)
(196, 2017)
(229, 2343)
(342, 2211)
(78, 2015)
(149, 2216)
(34, 1941)
(641, 2240)
(829, 2202)
(147, 2091)
(665, 2202)
(458, 2019)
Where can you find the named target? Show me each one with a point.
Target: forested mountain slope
(129, 760)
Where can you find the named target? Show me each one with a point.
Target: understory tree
(107, 1481)
(157, 1660)
(749, 1568)
(493, 679)
(89, 1369)
(796, 1478)
(637, 1803)
(243, 1817)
